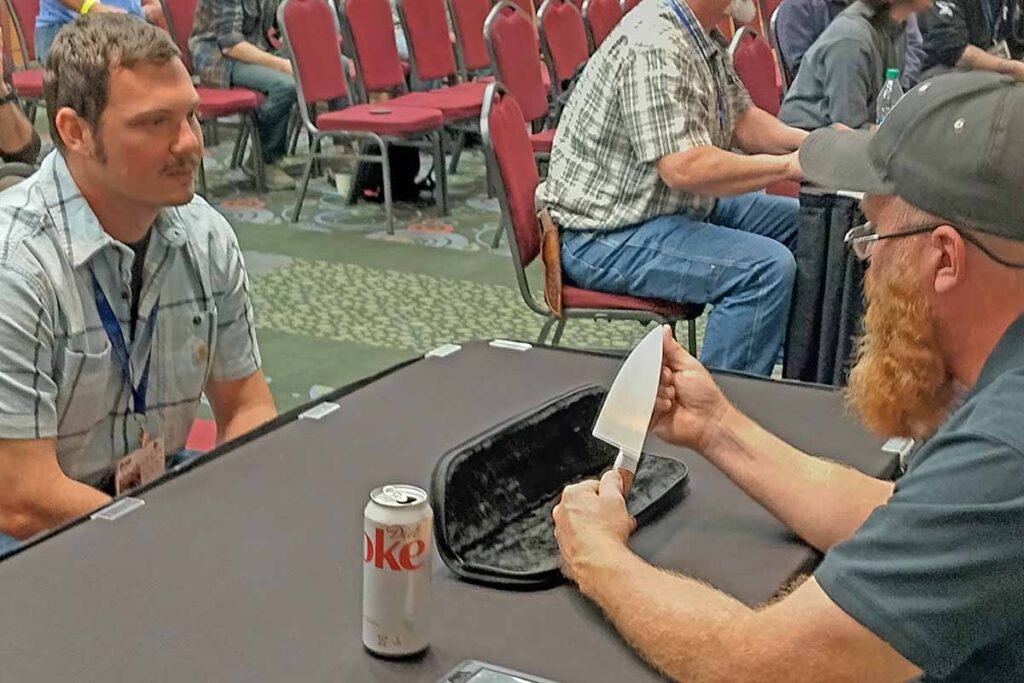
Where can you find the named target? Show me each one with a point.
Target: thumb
(611, 485)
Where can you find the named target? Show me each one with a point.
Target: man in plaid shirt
(125, 297)
(649, 198)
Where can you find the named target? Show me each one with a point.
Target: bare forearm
(976, 58)
(244, 421)
(681, 626)
(715, 172)
(15, 130)
(758, 132)
(60, 501)
(249, 53)
(820, 501)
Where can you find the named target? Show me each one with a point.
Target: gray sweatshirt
(841, 74)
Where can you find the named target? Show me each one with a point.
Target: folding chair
(28, 80)
(601, 16)
(773, 37)
(468, 17)
(755, 65)
(563, 39)
(321, 78)
(508, 150)
(217, 103)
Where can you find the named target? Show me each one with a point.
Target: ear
(75, 133)
(950, 258)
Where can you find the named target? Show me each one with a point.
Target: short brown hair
(84, 53)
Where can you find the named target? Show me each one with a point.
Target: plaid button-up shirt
(58, 375)
(220, 25)
(654, 88)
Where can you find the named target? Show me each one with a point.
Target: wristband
(86, 6)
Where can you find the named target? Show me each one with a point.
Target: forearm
(976, 58)
(250, 54)
(15, 130)
(246, 419)
(45, 507)
(715, 172)
(758, 132)
(681, 626)
(820, 501)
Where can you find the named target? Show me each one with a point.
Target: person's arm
(154, 13)
(18, 140)
(847, 83)
(913, 58)
(245, 51)
(35, 495)
(714, 172)
(822, 502)
(97, 8)
(240, 405)
(227, 26)
(692, 632)
(758, 132)
(976, 58)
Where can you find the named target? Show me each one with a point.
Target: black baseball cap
(953, 146)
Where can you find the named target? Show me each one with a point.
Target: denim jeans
(44, 39)
(276, 109)
(739, 260)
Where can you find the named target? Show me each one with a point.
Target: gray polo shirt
(58, 376)
(938, 572)
(844, 69)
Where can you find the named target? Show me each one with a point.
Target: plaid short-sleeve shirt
(58, 376)
(220, 25)
(658, 85)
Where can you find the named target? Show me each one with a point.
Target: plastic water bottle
(889, 95)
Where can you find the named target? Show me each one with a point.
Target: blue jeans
(276, 109)
(44, 39)
(739, 260)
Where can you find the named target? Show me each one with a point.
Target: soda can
(397, 550)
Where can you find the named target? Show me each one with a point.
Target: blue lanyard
(699, 39)
(117, 344)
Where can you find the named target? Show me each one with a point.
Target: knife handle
(627, 480)
(626, 464)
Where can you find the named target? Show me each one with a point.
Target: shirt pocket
(190, 343)
(83, 393)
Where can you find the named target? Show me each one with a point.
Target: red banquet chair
(310, 29)
(508, 151)
(601, 16)
(468, 17)
(563, 39)
(755, 64)
(217, 103)
(28, 80)
(627, 5)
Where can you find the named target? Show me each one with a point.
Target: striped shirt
(657, 86)
(58, 376)
(220, 25)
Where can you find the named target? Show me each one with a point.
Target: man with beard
(920, 577)
(124, 295)
(649, 195)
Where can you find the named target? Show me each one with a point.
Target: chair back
(510, 156)
(512, 45)
(628, 5)
(773, 37)
(370, 31)
(430, 49)
(564, 39)
(310, 30)
(468, 18)
(24, 13)
(179, 16)
(601, 17)
(755, 64)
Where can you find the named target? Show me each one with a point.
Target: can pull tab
(397, 495)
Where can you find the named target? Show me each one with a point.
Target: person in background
(844, 70)
(230, 48)
(800, 23)
(125, 297)
(19, 142)
(54, 14)
(973, 34)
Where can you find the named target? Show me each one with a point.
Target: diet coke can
(397, 547)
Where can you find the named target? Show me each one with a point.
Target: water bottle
(889, 95)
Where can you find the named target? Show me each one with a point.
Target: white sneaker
(277, 179)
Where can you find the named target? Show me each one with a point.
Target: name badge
(140, 467)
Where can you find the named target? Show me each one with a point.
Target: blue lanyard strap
(701, 41)
(120, 349)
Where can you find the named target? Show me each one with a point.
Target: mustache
(182, 164)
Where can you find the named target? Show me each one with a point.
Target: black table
(247, 567)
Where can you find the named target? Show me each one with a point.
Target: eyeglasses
(862, 238)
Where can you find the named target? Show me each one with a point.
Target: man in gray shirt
(922, 576)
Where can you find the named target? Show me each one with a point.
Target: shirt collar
(1007, 356)
(74, 219)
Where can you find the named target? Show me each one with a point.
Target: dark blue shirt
(938, 572)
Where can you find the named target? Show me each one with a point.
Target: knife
(629, 405)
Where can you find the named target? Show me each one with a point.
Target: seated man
(642, 153)
(54, 14)
(924, 576)
(845, 68)
(125, 296)
(19, 142)
(800, 23)
(230, 49)
(971, 34)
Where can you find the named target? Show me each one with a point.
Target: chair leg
(386, 168)
(305, 182)
(295, 130)
(457, 152)
(257, 155)
(497, 235)
(240, 142)
(545, 329)
(691, 337)
(558, 332)
(441, 189)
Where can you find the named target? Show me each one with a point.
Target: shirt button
(197, 320)
(124, 295)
